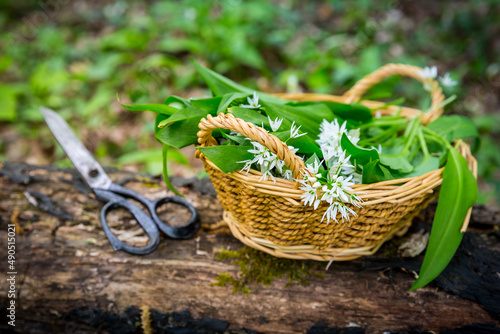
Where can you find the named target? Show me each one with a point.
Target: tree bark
(64, 262)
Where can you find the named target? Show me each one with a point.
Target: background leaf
(154, 107)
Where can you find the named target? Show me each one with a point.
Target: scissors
(116, 196)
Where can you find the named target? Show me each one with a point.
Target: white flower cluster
(268, 162)
(341, 175)
(431, 73)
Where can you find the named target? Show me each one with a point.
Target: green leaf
(227, 99)
(353, 111)
(164, 151)
(154, 107)
(220, 85)
(374, 172)
(454, 127)
(396, 162)
(458, 193)
(176, 101)
(219, 156)
(308, 117)
(429, 163)
(178, 134)
(238, 139)
(304, 143)
(210, 104)
(183, 114)
(249, 115)
(359, 155)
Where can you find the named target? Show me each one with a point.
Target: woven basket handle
(255, 133)
(355, 93)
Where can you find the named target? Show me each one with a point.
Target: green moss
(257, 267)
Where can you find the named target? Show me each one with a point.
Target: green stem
(383, 122)
(423, 144)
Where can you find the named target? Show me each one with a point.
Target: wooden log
(64, 262)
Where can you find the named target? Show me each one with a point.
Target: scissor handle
(175, 232)
(115, 202)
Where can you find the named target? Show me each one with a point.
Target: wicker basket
(270, 216)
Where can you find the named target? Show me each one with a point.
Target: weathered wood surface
(64, 261)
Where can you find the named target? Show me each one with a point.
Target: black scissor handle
(175, 232)
(147, 224)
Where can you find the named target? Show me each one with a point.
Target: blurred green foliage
(76, 56)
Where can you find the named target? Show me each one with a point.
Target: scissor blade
(89, 169)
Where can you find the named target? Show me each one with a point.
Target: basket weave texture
(271, 217)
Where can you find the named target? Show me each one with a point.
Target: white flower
(331, 212)
(378, 114)
(267, 162)
(314, 168)
(355, 200)
(252, 103)
(266, 172)
(276, 124)
(310, 196)
(353, 136)
(343, 184)
(331, 135)
(339, 163)
(357, 178)
(446, 80)
(287, 175)
(428, 72)
(294, 131)
(329, 194)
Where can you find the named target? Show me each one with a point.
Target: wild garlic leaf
(396, 162)
(186, 113)
(220, 85)
(219, 156)
(374, 172)
(180, 133)
(209, 104)
(249, 115)
(356, 112)
(453, 127)
(177, 102)
(358, 154)
(308, 117)
(458, 193)
(305, 144)
(228, 99)
(353, 111)
(237, 139)
(428, 164)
